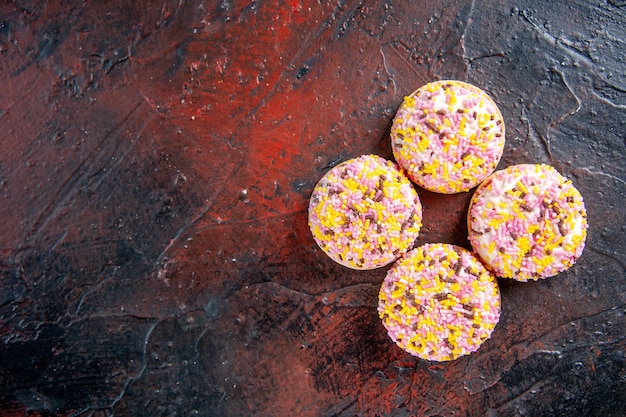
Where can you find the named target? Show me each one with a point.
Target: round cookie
(364, 213)
(527, 222)
(439, 302)
(448, 136)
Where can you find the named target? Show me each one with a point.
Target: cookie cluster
(526, 222)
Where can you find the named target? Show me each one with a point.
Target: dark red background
(156, 160)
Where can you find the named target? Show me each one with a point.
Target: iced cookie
(439, 302)
(448, 136)
(365, 213)
(527, 222)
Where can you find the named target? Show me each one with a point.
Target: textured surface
(156, 161)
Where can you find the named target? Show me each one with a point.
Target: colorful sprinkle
(365, 213)
(527, 222)
(439, 302)
(448, 136)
